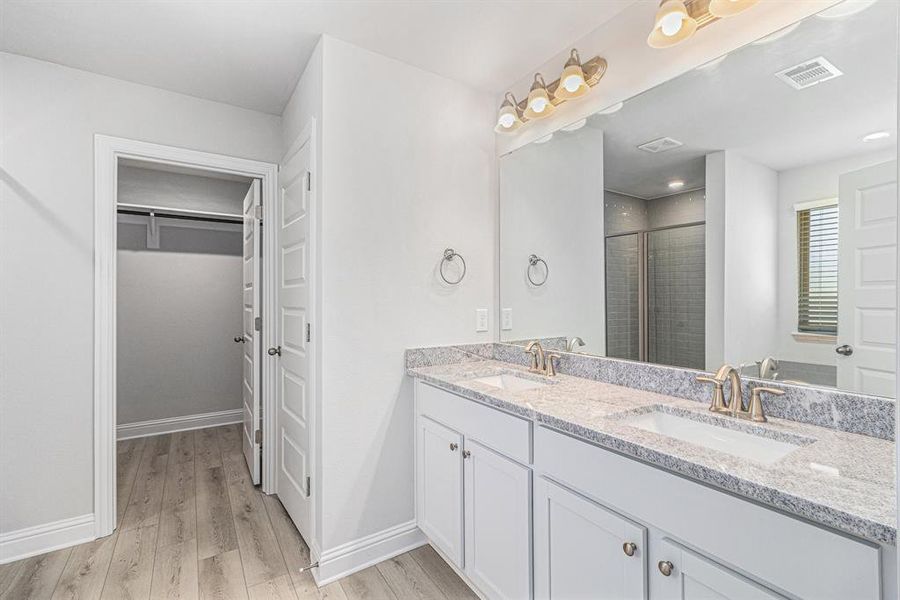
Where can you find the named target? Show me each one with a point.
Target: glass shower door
(676, 296)
(623, 290)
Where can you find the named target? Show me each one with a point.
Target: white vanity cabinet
(609, 526)
(473, 492)
(583, 550)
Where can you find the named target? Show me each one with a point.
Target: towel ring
(533, 260)
(449, 255)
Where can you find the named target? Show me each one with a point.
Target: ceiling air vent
(660, 145)
(809, 73)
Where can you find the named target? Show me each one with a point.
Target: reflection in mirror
(744, 212)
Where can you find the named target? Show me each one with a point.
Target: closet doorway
(183, 311)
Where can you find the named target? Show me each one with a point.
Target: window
(817, 301)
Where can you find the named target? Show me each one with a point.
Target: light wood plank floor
(192, 525)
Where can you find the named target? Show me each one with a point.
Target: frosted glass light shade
(539, 105)
(672, 25)
(508, 119)
(571, 82)
(728, 8)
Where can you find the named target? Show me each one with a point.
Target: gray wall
(178, 307)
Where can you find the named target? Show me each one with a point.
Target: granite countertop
(842, 480)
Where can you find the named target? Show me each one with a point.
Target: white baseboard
(357, 555)
(173, 424)
(39, 539)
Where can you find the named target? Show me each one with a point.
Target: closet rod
(178, 213)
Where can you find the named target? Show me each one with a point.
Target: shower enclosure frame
(643, 236)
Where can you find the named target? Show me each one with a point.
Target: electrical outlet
(506, 319)
(481, 319)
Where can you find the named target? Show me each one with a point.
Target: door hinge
(308, 486)
(257, 324)
(259, 212)
(308, 181)
(258, 436)
(308, 332)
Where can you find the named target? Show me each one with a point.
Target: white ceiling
(251, 53)
(738, 104)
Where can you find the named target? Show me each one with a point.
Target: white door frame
(107, 152)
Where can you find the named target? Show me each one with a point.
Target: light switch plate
(506, 319)
(481, 319)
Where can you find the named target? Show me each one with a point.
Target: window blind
(817, 233)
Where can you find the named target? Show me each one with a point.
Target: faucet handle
(756, 407)
(718, 398)
(550, 363)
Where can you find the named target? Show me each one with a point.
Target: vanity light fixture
(676, 184)
(678, 20)
(576, 80)
(877, 135)
(510, 116)
(672, 25)
(728, 8)
(571, 82)
(539, 104)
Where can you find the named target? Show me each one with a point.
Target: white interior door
(867, 280)
(252, 345)
(294, 391)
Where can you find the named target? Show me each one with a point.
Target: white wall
(408, 169)
(812, 182)
(141, 185)
(552, 205)
(741, 259)
(48, 117)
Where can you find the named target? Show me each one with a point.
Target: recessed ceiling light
(611, 109)
(776, 36)
(676, 184)
(544, 140)
(877, 135)
(845, 9)
(575, 126)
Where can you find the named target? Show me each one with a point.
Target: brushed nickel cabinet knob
(665, 567)
(453, 447)
(629, 548)
(274, 351)
(466, 454)
(238, 339)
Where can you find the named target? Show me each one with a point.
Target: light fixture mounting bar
(594, 70)
(699, 11)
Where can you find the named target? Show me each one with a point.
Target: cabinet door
(693, 577)
(580, 549)
(439, 482)
(498, 523)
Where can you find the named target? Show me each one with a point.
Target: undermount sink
(737, 443)
(509, 382)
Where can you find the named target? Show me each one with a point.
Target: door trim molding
(107, 152)
(138, 429)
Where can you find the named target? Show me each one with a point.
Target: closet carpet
(192, 525)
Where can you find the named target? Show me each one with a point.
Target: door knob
(665, 567)
(845, 350)
(629, 548)
(274, 351)
(239, 339)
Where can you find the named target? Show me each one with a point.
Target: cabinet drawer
(781, 551)
(505, 433)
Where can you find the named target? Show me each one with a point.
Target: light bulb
(539, 104)
(572, 83)
(671, 23)
(506, 120)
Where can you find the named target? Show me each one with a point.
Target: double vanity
(570, 487)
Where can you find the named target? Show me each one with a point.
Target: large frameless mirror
(743, 212)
